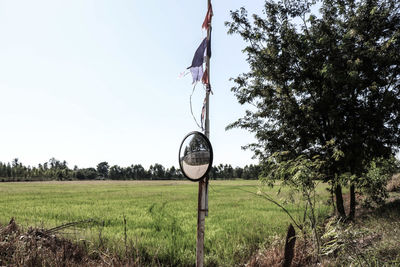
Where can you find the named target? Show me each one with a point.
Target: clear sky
(92, 80)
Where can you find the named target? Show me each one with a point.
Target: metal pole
(203, 184)
(207, 122)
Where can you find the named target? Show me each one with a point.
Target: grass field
(160, 216)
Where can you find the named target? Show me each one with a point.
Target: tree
(251, 172)
(171, 173)
(115, 172)
(324, 84)
(157, 171)
(237, 173)
(9, 170)
(300, 175)
(86, 174)
(102, 169)
(139, 172)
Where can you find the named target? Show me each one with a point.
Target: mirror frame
(211, 156)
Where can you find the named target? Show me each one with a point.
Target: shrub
(375, 180)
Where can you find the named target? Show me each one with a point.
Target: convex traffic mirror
(195, 156)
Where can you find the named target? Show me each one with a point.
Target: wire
(191, 109)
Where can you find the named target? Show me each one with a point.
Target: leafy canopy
(316, 79)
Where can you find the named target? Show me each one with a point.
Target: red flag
(204, 79)
(207, 19)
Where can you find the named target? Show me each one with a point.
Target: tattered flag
(197, 73)
(198, 58)
(197, 63)
(196, 69)
(204, 79)
(207, 19)
(209, 46)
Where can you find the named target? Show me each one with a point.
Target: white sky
(92, 80)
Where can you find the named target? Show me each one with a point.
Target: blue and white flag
(197, 63)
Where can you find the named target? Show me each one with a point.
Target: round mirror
(195, 156)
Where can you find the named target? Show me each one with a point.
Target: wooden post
(203, 184)
(201, 217)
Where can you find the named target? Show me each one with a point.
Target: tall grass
(160, 216)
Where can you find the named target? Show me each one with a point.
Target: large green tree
(324, 77)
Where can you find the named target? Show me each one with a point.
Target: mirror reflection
(195, 156)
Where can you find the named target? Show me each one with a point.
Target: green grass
(161, 216)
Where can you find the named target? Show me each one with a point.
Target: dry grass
(371, 240)
(394, 184)
(274, 255)
(41, 247)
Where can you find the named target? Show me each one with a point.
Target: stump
(289, 246)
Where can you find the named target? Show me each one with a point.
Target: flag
(198, 58)
(197, 73)
(197, 63)
(207, 19)
(204, 79)
(209, 46)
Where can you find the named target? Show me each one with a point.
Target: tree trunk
(352, 202)
(339, 202)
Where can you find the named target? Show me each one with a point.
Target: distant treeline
(58, 170)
